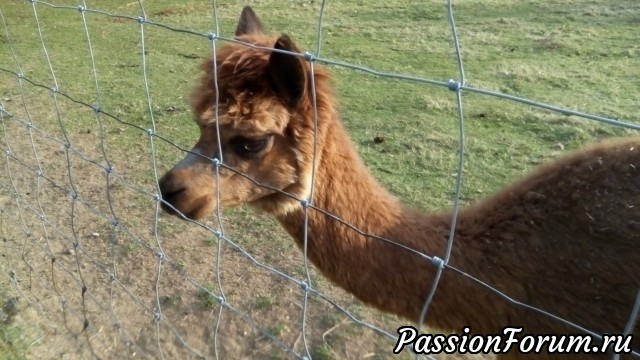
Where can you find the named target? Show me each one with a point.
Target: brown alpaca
(565, 239)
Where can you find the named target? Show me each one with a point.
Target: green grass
(210, 241)
(15, 337)
(177, 298)
(264, 302)
(206, 298)
(323, 352)
(531, 49)
(275, 330)
(580, 54)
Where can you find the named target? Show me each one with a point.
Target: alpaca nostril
(169, 194)
(169, 199)
(170, 191)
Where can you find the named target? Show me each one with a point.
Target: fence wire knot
(216, 162)
(54, 89)
(108, 169)
(221, 300)
(156, 197)
(150, 132)
(212, 36)
(160, 255)
(217, 233)
(304, 286)
(309, 56)
(81, 8)
(141, 20)
(157, 316)
(454, 85)
(437, 262)
(304, 203)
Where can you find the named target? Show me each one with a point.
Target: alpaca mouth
(175, 203)
(196, 212)
(169, 208)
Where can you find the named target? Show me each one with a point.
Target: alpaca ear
(287, 74)
(248, 23)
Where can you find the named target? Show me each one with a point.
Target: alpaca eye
(247, 147)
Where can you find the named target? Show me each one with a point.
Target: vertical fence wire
(108, 168)
(40, 210)
(161, 253)
(453, 86)
(74, 192)
(306, 202)
(219, 159)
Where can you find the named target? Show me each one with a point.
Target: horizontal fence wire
(53, 227)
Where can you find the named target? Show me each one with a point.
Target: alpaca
(565, 239)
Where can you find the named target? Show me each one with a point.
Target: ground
(106, 273)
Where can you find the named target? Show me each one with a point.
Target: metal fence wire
(74, 257)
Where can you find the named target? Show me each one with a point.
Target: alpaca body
(565, 239)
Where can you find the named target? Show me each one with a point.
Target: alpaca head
(254, 111)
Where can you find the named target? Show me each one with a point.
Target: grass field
(580, 54)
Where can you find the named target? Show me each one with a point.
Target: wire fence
(72, 252)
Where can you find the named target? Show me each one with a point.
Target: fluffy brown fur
(565, 239)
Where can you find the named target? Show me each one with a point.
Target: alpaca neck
(384, 275)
